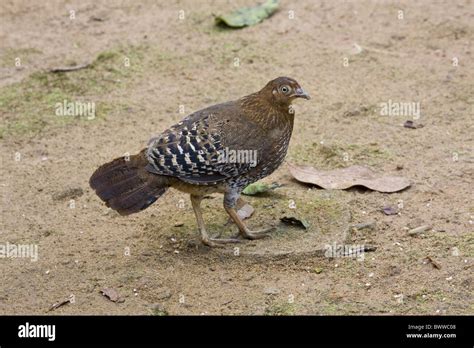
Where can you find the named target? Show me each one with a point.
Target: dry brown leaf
(246, 211)
(340, 179)
(111, 294)
(294, 221)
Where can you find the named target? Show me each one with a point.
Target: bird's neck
(266, 114)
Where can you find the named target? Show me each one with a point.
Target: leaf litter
(344, 178)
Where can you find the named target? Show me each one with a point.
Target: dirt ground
(149, 68)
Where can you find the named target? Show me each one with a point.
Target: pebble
(369, 225)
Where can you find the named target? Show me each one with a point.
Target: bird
(208, 152)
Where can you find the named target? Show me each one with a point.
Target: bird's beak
(300, 93)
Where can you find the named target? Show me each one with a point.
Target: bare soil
(149, 68)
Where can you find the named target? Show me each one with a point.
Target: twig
(60, 304)
(433, 262)
(69, 68)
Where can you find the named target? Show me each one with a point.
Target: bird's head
(283, 90)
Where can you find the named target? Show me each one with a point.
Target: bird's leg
(240, 203)
(230, 201)
(212, 242)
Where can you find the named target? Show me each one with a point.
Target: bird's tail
(126, 186)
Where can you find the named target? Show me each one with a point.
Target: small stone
(369, 225)
(163, 295)
(412, 125)
(390, 210)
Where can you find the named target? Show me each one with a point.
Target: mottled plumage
(189, 156)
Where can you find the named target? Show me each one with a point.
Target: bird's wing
(191, 150)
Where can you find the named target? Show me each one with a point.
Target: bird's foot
(252, 235)
(219, 242)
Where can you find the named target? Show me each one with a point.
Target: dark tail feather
(126, 186)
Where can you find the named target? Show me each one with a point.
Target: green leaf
(259, 187)
(248, 15)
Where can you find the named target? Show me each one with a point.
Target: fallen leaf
(340, 179)
(111, 294)
(259, 187)
(389, 210)
(248, 15)
(412, 125)
(245, 212)
(291, 220)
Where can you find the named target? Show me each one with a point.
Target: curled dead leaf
(245, 212)
(340, 179)
(111, 294)
(294, 221)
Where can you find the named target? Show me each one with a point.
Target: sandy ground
(148, 66)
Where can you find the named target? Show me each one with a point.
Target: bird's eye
(285, 89)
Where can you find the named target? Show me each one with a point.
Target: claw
(256, 234)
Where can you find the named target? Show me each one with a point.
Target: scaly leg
(230, 201)
(212, 242)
